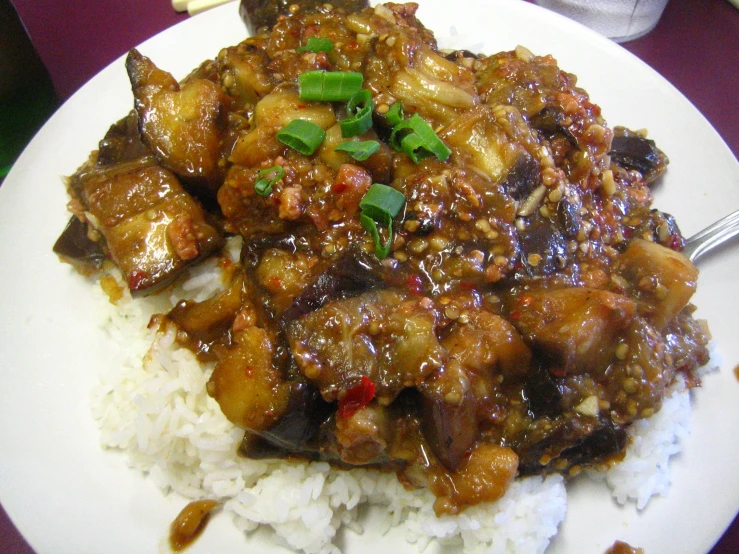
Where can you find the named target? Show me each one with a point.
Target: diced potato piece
(285, 275)
(246, 385)
(379, 164)
(208, 321)
(364, 435)
(661, 278)
(488, 342)
(483, 477)
(271, 114)
(476, 136)
(577, 328)
(328, 155)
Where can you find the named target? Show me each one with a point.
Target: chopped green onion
(329, 86)
(301, 135)
(267, 178)
(316, 44)
(380, 204)
(425, 142)
(414, 147)
(359, 108)
(382, 198)
(395, 114)
(400, 130)
(359, 150)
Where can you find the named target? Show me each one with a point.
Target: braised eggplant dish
(450, 267)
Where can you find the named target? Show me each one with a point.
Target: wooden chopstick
(196, 6)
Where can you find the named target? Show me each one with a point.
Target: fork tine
(712, 236)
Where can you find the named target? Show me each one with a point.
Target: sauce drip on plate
(189, 523)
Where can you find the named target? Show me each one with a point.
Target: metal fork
(712, 236)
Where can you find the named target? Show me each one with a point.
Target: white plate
(67, 495)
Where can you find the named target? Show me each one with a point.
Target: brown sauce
(736, 371)
(189, 523)
(620, 547)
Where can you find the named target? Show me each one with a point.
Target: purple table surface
(695, 46)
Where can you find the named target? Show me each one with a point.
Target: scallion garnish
(380, 205)
(301, 135)
(317, 44)
(417, 139)
(395, 114)
(329, 86)
(360, 150)
(267, 178)
(359, 108)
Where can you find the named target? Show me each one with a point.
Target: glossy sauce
(190, 523)
(620, 547)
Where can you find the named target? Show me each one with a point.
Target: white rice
(151, 403)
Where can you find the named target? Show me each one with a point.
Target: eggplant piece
(543, 247)
(450, 429)
(632, 151)
(577, 329)
(552, 121)
(687, 339)
(352, 273)
(362, 437)
(384, 336)
(483, 476)
(296, 430)
(208, 323)
(275, 110)
(75, 247)
(261, 14)
(476, 135)
(184, 125)
(456, 55)
(570, 220)
(122, 142)
(151, 227)
(522, 178)
(602, 444)
(663, 228)
(570, 440)
(542, 395)
(486, 345)
(244, 70)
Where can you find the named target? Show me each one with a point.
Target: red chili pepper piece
(357, 398)
(467, 285)
(558, 371)
(136, 278)
(415, 284)
(676, 242)
(339, 187)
